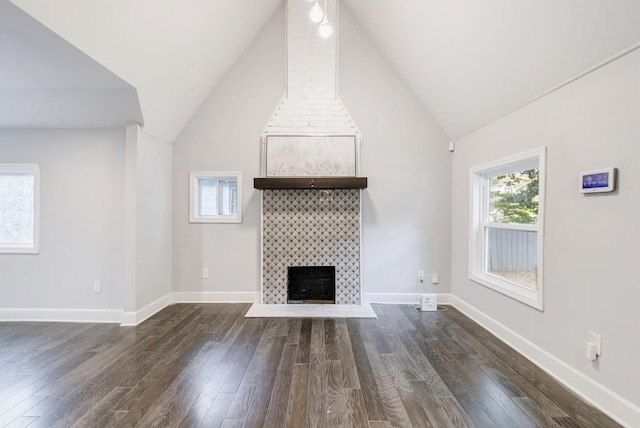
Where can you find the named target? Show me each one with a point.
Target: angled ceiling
(469, 62)
(172, 52)
(46, 82)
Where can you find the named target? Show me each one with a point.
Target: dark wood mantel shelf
(310, 183)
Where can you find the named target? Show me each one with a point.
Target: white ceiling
(172, 51)
(471, 62)
(468, 61)
(46, 82)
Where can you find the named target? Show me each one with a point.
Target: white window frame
(194, 200)
(25, 169)
(479, 221)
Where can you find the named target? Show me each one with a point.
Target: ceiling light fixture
(325, 29)
(316, 13)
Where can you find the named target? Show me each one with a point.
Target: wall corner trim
(617, 407)
(130, 319)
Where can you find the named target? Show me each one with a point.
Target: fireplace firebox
(311, 284)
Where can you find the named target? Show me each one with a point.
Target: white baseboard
(216, 297)
(125, 318)
(402, 298)
(135, 318)
(61, 315)
(601, 397)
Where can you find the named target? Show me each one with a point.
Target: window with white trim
(19, 208)
(507, 223)
(215, 197)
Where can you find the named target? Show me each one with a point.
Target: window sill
(510, 289)
(219, 219)
(19, 250)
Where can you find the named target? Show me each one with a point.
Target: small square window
(215, 197)
(19, 208)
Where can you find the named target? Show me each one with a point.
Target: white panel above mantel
(311, 156)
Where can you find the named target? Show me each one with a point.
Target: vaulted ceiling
(173, 51)
(468, 61)
(471, 62)
(46, 82)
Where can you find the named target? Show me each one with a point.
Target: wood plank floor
(206, 365)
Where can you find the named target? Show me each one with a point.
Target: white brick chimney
(311, 105)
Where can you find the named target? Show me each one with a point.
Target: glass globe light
(325, 29)
(316, 13)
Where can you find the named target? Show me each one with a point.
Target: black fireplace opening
(311, 284)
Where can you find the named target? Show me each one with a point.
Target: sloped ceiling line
(45, 82)
(173, 52)
(468, 62)
(472, 62)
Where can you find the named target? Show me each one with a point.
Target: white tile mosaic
(311, 228)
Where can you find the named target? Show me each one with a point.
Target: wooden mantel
(310, 183)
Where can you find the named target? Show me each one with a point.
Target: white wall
(147, 193)
(224, 135)
(591, 256)
(406, 209)
(82, 219)
(154, 212)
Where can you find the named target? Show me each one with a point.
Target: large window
(19, 208)
(507, 219)
(215, 197)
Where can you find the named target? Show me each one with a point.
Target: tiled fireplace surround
(310, 227)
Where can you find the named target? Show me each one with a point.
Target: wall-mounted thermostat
(601, 180)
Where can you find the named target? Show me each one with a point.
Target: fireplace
(310, 138)
(311, 284)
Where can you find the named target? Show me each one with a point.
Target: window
(19, 208)
(507, 222)
(215, 197)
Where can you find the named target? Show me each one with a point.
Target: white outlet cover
(596, 339)
(429, 303)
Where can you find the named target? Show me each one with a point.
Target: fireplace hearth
(311, 284)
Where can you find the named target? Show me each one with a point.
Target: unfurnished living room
(319, 213)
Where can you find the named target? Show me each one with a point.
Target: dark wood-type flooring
(206, 365)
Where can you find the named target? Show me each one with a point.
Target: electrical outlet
(421, 275)
(97, 286)
(429, 303)
(435, 278)
(205, 273)
(596, 339)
